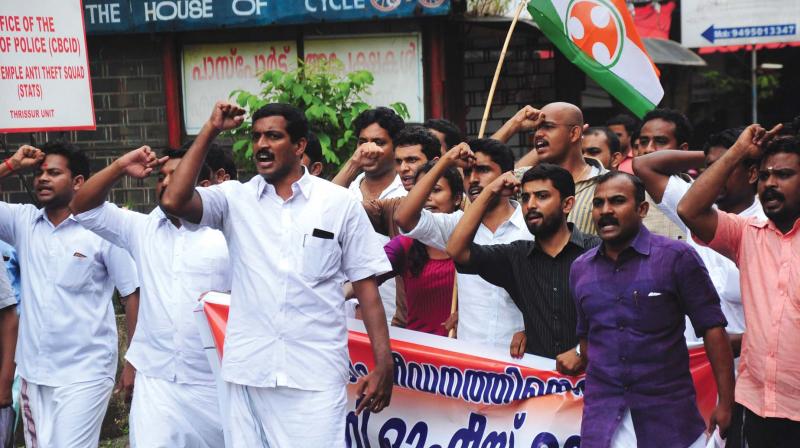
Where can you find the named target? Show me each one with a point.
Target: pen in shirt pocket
(636, 297)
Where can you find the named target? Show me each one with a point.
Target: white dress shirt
(289, 259)
(486, 313)
(176, 266)
(723, 272)
(388, 289)
(7, 297)
(67, 330)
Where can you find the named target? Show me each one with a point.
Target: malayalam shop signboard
(710, 23)
(44, 69)
(137, 16)
(212, 71)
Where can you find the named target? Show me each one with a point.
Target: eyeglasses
(549, 126)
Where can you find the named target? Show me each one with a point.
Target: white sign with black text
(710, 23)
(44, 69)
(212, 71)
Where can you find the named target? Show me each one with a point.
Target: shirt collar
(517, 219)
(767, 223)
(597, 167)
(43, 216)
(576, 237)
(303, 185)
(640, 244)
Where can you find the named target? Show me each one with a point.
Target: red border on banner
(87, 127)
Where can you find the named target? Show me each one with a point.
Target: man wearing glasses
(555, 134)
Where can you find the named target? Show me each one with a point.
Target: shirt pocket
(77, 274)
(657, 311)
(321, 257)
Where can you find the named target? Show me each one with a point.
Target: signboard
(394, 60)
(44, 68)
(211, 72)
(709, 23)
(142, 16)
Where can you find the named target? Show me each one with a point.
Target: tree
(330, 98)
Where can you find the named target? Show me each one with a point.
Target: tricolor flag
(599, 37)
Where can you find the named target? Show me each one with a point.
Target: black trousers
(770, 432)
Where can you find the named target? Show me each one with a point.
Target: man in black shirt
(535, 273)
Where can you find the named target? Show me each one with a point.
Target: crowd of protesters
(605, 248)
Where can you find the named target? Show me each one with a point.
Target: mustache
(533, 215)
(607, 220)
(265, 153)
(772, 193)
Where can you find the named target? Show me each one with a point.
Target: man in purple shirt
(631, 294)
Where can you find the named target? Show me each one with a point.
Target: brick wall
(127, 84)
(526, 77)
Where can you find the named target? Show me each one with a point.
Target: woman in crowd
(428, 273)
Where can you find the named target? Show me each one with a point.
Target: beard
(548, 226)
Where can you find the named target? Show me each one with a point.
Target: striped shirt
(539, 286)
(581, 214)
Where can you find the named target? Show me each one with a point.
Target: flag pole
(520, 7)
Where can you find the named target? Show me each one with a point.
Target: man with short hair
(602, 144)
(175, 400)
(67, 345)
(219, 160)
(663, 129)
(557, 131)
(632, 293)
(486, 313)
(660, 171)
(534, 273)
(293, 240)
(312, 157)
(376, 130)
(626, 127)
(766, 252)
(445, 131)
(414, 147)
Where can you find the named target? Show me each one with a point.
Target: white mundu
(486, 313)
(174, 398)
(286, 339)
(67, 344)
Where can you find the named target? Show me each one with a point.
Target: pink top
(769, 265)
(626, 165)
(429, 295)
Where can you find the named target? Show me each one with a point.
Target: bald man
(555, 134)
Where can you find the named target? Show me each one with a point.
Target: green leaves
(330, 98)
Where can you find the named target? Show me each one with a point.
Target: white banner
(394, 60)
(212, 71)
(709, 23)
(44, 69)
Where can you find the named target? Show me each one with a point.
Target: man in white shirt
(486, 313)
(175, 401)
(67, 345)
(660, 173)
(414, 146)
(377, 129)
(293, 240)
